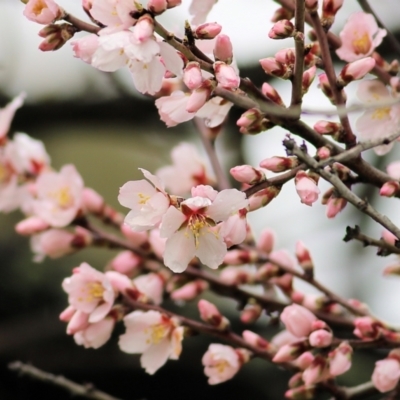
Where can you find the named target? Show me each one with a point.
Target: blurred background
(98, 122)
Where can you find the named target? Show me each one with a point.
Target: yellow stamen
(361, 43)
(381, 113)
(39, 6)
(157, 333)
(143, 199)
(63, 197)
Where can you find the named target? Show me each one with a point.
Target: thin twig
(342, 189)
(88, 390)
(222, 180)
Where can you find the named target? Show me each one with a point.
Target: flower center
(94, 292)
(196, 223)
(143, 199)
(221, 365)
(39, 6)
(381, 113)
(62, 197)
(361, 43)
(158, 332)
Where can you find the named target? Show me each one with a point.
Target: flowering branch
(88, 391)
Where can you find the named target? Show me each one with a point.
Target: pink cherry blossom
(85, 47)
(89, 291)
(190, 231)
(360, 36)
(234, 229)
(340, 359)
(221, 363)
(226, 75)
(298, 320)
(151, 285)
(7, 114)
(172, 109)
(58, 196)
(187, 170)
(146, 199)
(42, 11)
(153, 334)
(377, 122)
(214, 111)
(386, 374)
(113, 13)
(95, 334)
(27, 155)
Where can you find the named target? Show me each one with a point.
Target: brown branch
(297, 79)
(88, 390)
(81, 25)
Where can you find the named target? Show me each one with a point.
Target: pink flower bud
(271, 94)
(308, 78)
(91, 201)
(388, 237)
(286, 56)
(251, 313)
(331, 7)
(125, 262)
(320, 338)
(263, 197)
(282, 30)
(239, 257)
(272, 67)
(256, 340)
(157, 7)
(325, 87)
(317, 371)
(56, 36)
(223, 49)
(334, 205)
(249, 117)
(389, 189)
(67, 314)
(209, 30)
(355, 70)
(247, 174)
(367, 328)
(279, 164)
(323, 153)
(43, 11)
(31, 225)
(340, 359)
(298, 320)
(306, 188)
(210, 314)
(266, 241)
(192, 76)
(53, 243)
(226, 75)
(190, 290)
(144, 28)
(237, 275)
(327, 128)
(289, 352)
(305, 360)
(119, 282)
(386, 374)
(139, 239)
(304, 257)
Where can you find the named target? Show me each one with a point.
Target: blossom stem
(87, 390)
(81, 25)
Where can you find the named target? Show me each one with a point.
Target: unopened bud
(355, 70)
(271, 94)
(263, 197)
(266, 241)
(327, 128)
(226, 75)
(209, 30)
(223, 49)
(308, 78)
(282, 13)
(56, 35)
(240, 257)
(290, 352)
(304, 258)
(389, 189)
(256, 340)
(190, 290)
(251, 313)
(192, 76)
(249, 117)
(311, 5)
(334, 205)
(247, 174)
(320, 338)
(210, 314)
(144, 28)
(282, 30)
(157, 7)
(199, 96)
(279, 164)
(273, 67)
